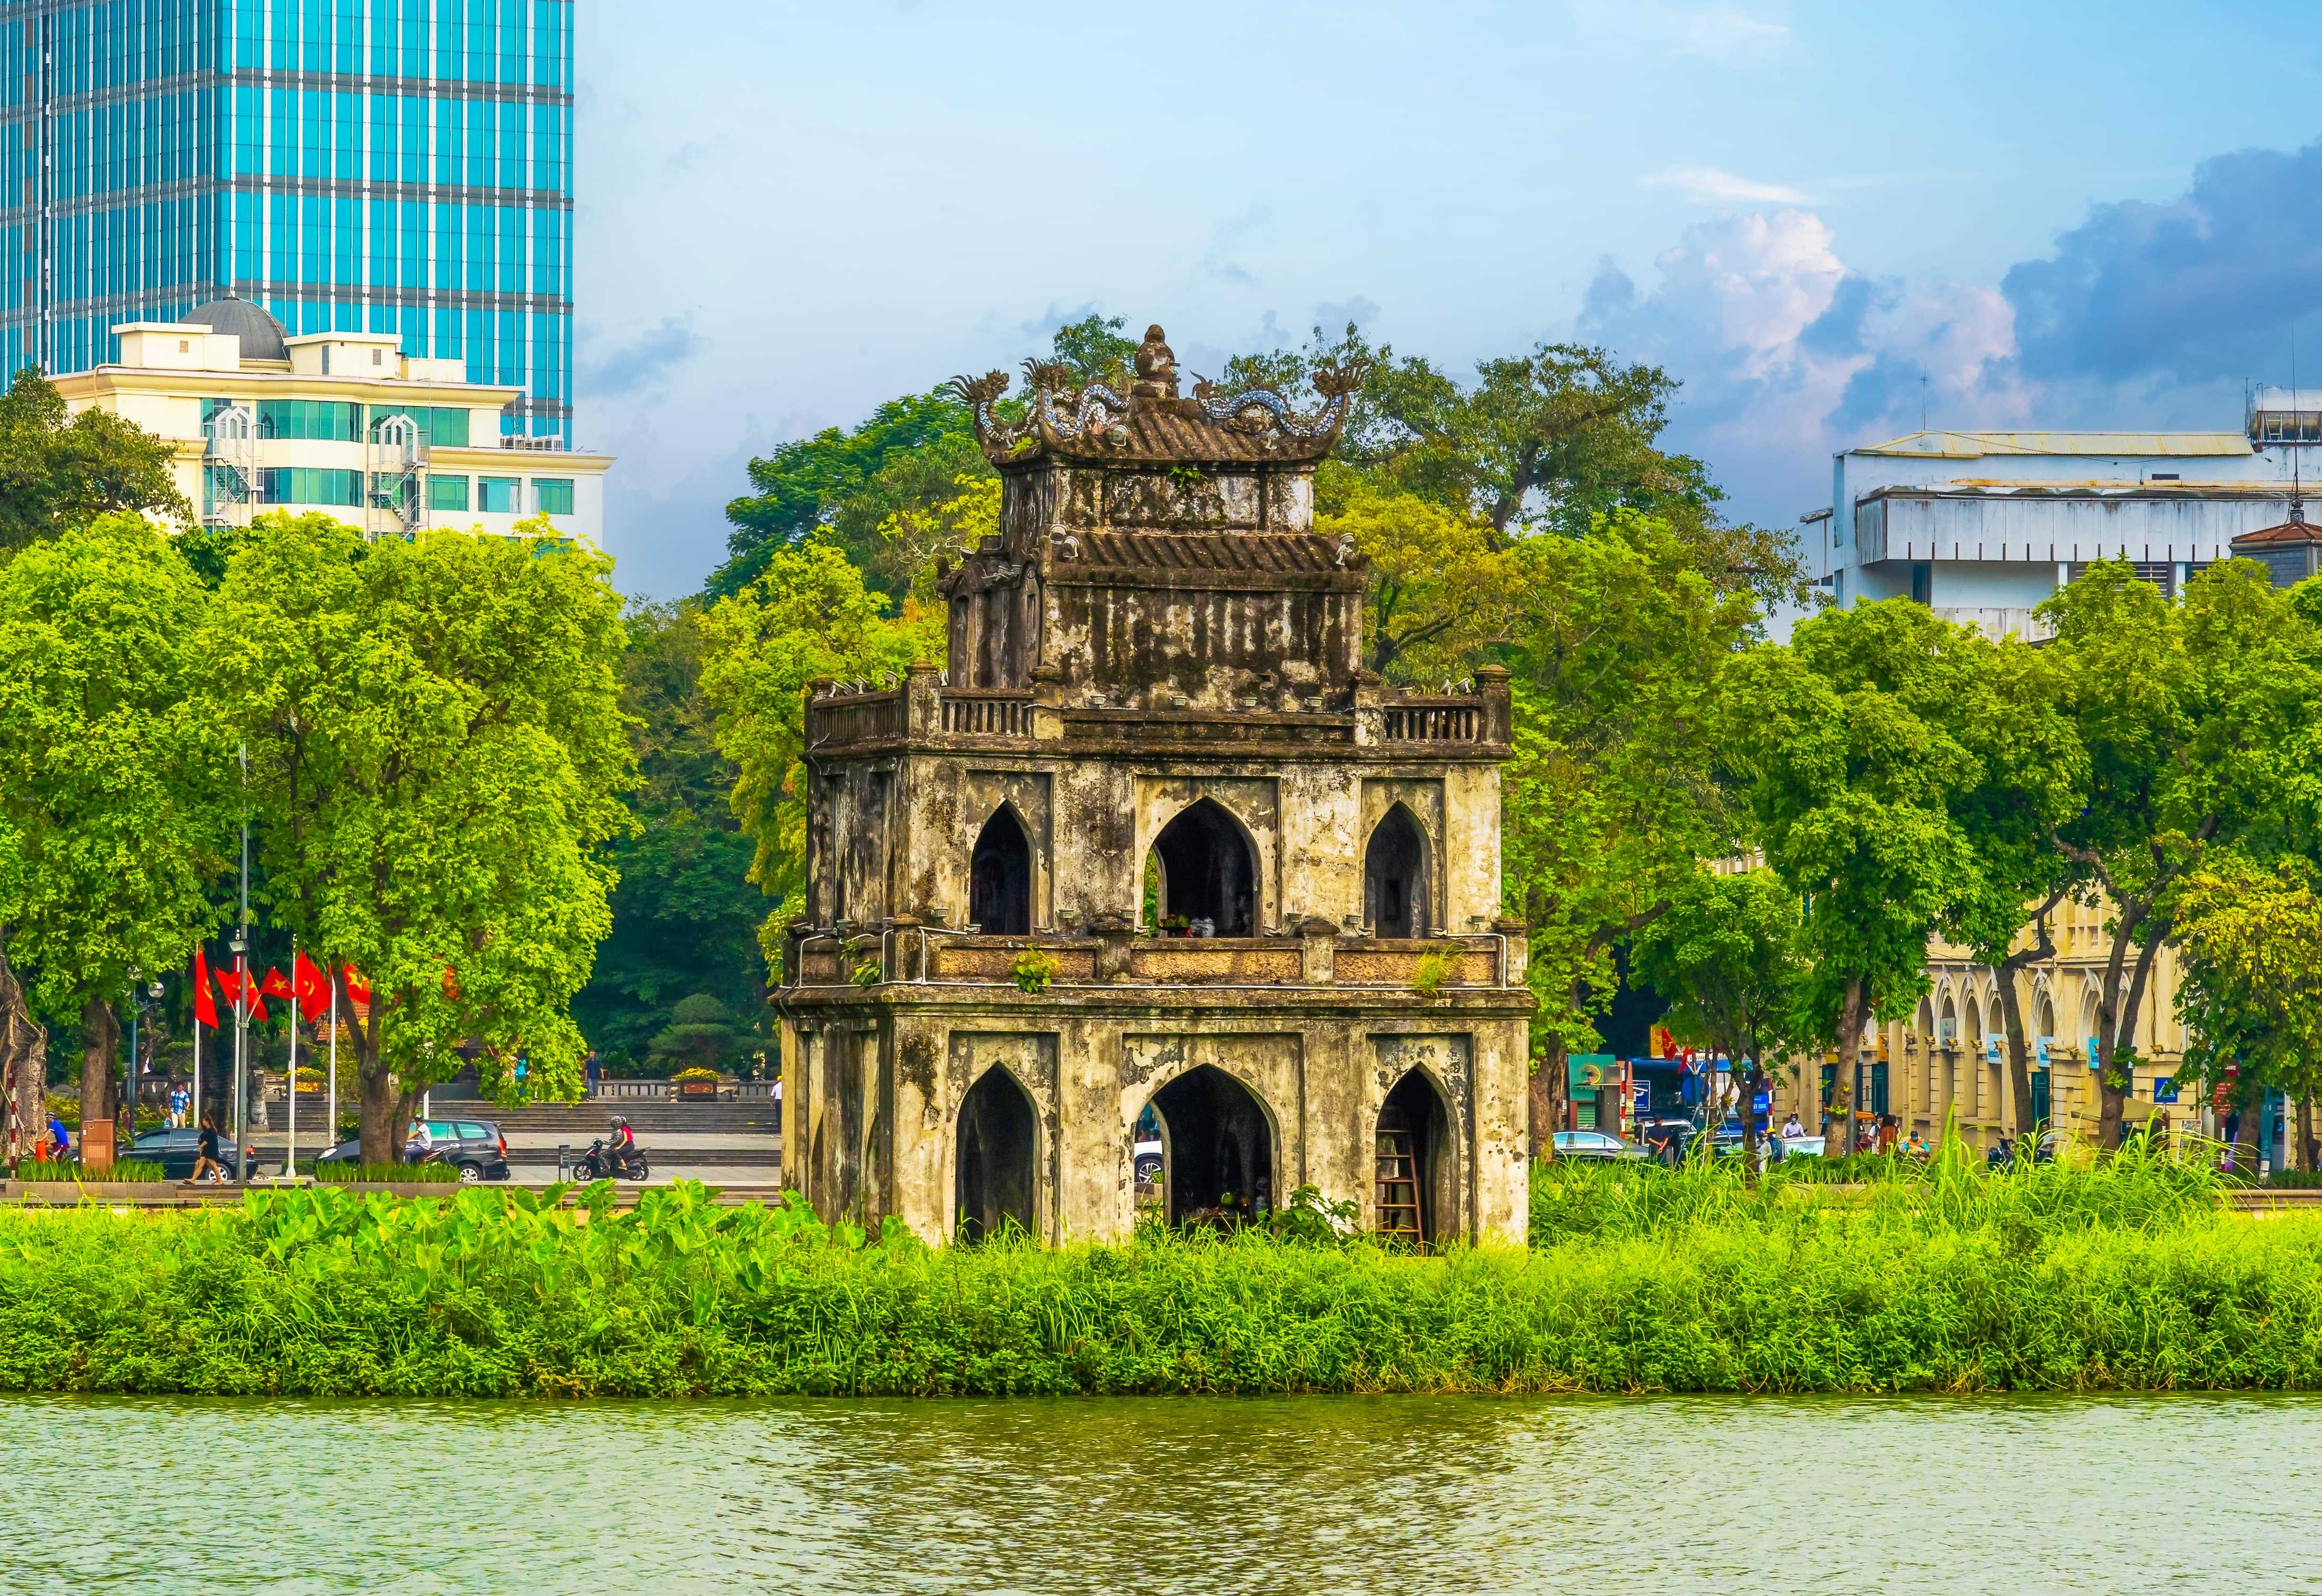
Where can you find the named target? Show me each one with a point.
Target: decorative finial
(1157, 367)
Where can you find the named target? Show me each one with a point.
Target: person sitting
(1916, 1146)
(60, 1141)
(1793, 1127)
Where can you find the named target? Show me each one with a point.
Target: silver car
(1594, 1143)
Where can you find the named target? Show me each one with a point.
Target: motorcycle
(598, 1162)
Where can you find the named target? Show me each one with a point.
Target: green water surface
(1403, 1496)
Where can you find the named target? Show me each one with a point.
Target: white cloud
(1729, 35)
(1709, 185)
(1786, 354)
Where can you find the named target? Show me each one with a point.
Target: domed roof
(262, 335)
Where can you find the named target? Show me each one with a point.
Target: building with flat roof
(397, 166)
(1983, 525)
(342, 423)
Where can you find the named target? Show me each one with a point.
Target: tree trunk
(2011, 1011)
(100, 1041)
(1548, 1077)
(23, 1068)
(2305, 1136)
(382, 1137)
(1853, 1016)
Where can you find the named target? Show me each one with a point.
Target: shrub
(341, 1173)
(696, 1072)
(1433, 970)
(127, 1169)
(1035, 970)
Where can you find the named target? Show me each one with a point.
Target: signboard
(1587, 1072)
(1641, 1098)
(1991, 1051)
(2040, 1050)
(2092, 1053)
(2164, 1089)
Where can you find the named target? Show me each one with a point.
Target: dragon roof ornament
(1143, 420)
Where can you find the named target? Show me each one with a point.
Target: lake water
(1403, 1496)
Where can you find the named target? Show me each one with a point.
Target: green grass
(127, 1169)
(1942, 1278)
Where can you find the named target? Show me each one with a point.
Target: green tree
(1438, 580)
(111, 798)
(436, 755)
(1553, 441)
(2250, 986)
(1846, 741)
(58, 472)
(1618, 649)
(1726, 955)
(684, 915)
(2199, 719)
(2030, 777)
(807, 615)
(700, 1035)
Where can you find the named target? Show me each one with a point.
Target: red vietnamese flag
(275, 985)
(236, 990)
(358, 989)
(306, 980)
(205, 1005)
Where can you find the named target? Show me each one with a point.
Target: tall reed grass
(1945, 1278)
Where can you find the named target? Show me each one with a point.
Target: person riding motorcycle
(624, 1148)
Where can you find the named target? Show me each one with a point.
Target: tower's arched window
(1394, 876)
(1218, 1151)
(996, 1173)
(1208, 869)
(1000, 877)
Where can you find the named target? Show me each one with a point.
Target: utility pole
(241, 946)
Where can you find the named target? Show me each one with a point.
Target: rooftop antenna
(1922, 398)
(2298, 434)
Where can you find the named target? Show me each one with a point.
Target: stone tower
(1156, 901)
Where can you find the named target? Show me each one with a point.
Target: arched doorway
(1394, 876)
(1208, 869)
(996, 1176)
(1973, 1043)
(1000, 877)
(1218, 1146)
(1417, 1166)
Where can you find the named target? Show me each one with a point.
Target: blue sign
(2164, 1089)
(1641, 1095)
(1991, 1050)
(1762, 1102)
(2040, 1049)
(2092, 1053)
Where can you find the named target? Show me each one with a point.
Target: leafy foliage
(436, 752)
(684, 913)
(58, 472)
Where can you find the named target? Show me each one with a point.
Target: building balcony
(1996, 622)
(908, 954)
(924, 711)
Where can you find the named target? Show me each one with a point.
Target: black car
(475, 1147)
(176, 1150)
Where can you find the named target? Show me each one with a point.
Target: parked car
(1146, 1160)
(1594, 1143)
(475, 1147)
(174, 1151)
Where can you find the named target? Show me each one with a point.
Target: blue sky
(2055, 213)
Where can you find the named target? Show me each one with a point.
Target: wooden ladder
(1398, 1188)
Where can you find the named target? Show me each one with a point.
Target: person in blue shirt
(59, 1139)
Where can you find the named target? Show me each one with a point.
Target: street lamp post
(241, 946)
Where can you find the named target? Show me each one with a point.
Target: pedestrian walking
(180, 1100)
(207, 1165)
(591, 1071)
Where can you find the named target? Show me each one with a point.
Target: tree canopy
(59, 472)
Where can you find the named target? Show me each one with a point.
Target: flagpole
(331, 1090)
(241, 990)
(290, 1159)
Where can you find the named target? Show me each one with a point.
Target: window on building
(324, 421)
(2160, 573)
(553, 495)
(308, 485)
(496, 496)
(447, 493)
(444, 427)
(1923, 582)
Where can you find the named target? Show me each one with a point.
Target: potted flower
(696, 1083)
(310, 1082)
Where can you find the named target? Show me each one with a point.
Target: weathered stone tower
(1156, 717)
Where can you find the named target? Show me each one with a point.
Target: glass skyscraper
(379, 165)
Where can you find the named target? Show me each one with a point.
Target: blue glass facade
(379, 165)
